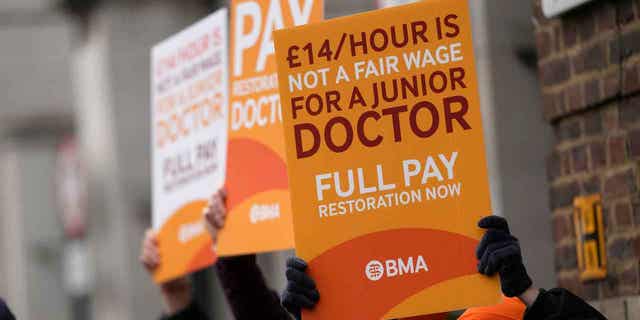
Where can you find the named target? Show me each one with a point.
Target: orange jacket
(439, 316)
(508, 309)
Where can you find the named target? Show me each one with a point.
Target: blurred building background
(589, 66)
(74, 145)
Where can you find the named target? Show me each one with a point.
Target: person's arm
(246, 291)
(240, 276)
(191, 312)
(529, 296)
(499, 252)
(560, 303)
(176, 294)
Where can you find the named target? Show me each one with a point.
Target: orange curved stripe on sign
(241, 235)
(454, 294)
(244, 178)
(340, 290)
(191, 253)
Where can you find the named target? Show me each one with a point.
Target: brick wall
(589, 71)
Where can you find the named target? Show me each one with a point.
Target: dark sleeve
(192, 312)
(5, 313)
(557, 304)
(246, 290)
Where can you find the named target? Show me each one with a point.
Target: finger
(219, 215)
(215, 203)
(153, 237)
(150, 243)
(147, 265)
(223, 194)
(505, 256)
(213, 231)
(483, 265)
(209, 219)
(300, 278)
(312, 294)
(152, 255)
(490, 237)
(148, 236)
(297, 263)
(220, 210)
(494, 222)
(287, 303)
(147, 245)
(218, 198)
(155, 256)
(150, 250)
(223, 209)
(149, 261)
(154, 240)
(155, 251)
(297, 301)
(219, 221)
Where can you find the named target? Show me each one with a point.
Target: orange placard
(259, 217)
(386, 160)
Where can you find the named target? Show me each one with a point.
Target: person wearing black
(242, 281)
(5, 313)
(247, 293)
(177, 293)
(498, 253)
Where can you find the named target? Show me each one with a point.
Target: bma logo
(375, 269)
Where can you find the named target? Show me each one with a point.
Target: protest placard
(386, 160)
(259, 216)
(189, 123)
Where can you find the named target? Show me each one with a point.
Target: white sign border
(553, 8)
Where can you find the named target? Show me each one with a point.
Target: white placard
(393, 3)
(189, 116)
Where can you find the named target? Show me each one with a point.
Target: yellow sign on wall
(587, 219)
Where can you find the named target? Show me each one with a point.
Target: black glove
(499, 252)
(301, 290)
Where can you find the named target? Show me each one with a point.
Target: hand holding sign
(301, 291)
(176, 293)
(499, 252)
(215, 214)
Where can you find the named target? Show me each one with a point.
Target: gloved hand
(499, 252)
(301, 291)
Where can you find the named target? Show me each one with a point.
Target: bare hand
(175, 293)
(149, 255)
(215, 214)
